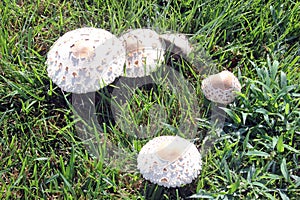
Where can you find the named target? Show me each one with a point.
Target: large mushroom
(221, 88)
(169, 161)
(85, 59)
(81, 62)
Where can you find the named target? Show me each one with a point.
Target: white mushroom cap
(169, 161)
(144, 52)
(85, 60)
(177, 43)
(221, 87)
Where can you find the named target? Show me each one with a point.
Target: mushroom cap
(176, 43)
(85, 60)
(144, 52)
(221, 87)
(169, 161)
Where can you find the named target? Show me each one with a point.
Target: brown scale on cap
(74, 74)
(164, 180)
(100, 68)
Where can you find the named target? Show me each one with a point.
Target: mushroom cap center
(222, 80)
(171, 150)
(83, 50)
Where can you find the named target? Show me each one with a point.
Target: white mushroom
(176, 43)
(169, 161)
(85, 60)
(82, 61)
(144, 52)
(221, 87)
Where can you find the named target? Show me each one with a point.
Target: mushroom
(221, 87)
(176, 44)
(144, 52)
(85, 60)
(169, 161)
(82, 61)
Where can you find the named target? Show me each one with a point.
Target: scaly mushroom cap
(169, 161)
(85, 60)
(176, 43)
(144, 52)
(221, 87)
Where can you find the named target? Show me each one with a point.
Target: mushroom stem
(217, 120)
(84, 107)
(87, 125)
(218, 116)
(90, 131)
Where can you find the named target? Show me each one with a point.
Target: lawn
(256, 155)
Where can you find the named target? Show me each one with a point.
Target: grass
(256, 155)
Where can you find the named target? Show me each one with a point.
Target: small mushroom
(169, 161)
(85, 60)
(177, 44)
(221, 87)
(144, 52)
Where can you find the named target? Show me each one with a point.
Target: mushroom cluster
(169, 161)
(87, 59)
